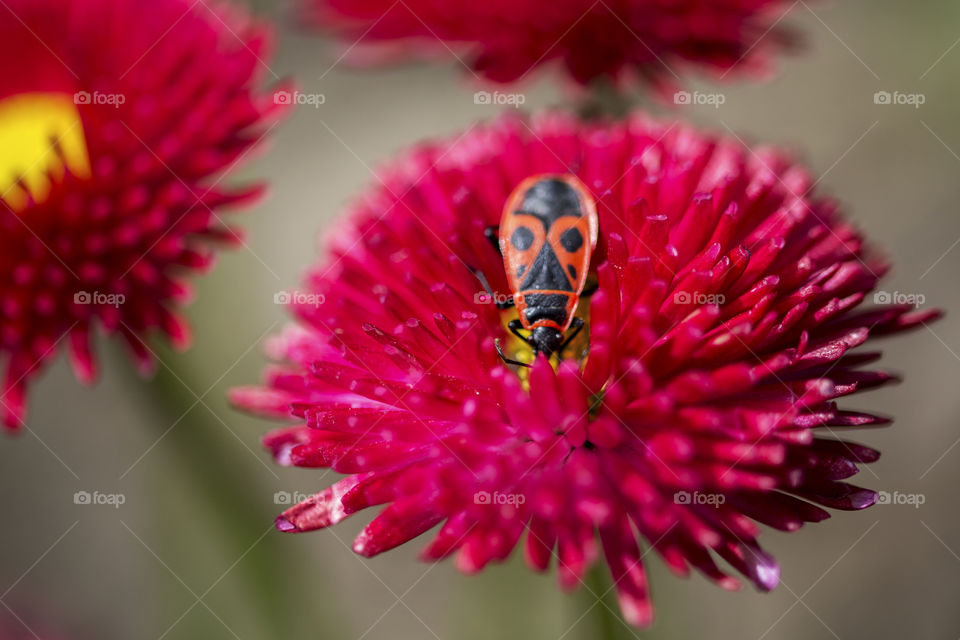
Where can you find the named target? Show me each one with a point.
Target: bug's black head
(546, 340)
(550, 198)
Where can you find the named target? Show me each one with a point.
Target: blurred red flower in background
(504, 40)
(723, 331)
(118, 121)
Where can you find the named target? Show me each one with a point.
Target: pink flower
(504, 40)
(721, 336)
(117, 122)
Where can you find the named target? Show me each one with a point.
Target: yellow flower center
(516, 349)
(39, 134)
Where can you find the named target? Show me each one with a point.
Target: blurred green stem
(224, 484)
(604, 617)
(604, 99)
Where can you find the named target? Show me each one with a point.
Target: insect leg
(577, 328)
(493, 235)
(515, 325)
(506, 359)
(486, 286)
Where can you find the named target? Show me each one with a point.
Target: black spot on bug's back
(550, 199)
(572, 270)
(571, 239)
(522, 238)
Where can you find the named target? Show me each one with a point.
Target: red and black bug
(547, 235)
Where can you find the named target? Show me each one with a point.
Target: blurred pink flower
(504, 40)
(118, 121)
(723, 332)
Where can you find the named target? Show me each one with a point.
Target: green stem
(222, 481)
(605, 100)
(605, 619)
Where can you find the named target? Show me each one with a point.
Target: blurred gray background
(192, 552)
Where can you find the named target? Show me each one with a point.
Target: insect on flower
(725, 334)
(547, 234)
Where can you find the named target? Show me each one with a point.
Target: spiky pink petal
(505, 40)
(170, 106)
(727, 323)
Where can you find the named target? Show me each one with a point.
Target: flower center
(40, 135)
(516, 349)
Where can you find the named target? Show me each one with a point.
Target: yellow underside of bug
(40, 135)
(516, 349)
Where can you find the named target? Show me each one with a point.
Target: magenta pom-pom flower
(702, 400)
(504, 40)
(118, 121)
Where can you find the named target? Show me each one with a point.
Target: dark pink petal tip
(136, 209)
(724, 336)
(284, 525)
(504, 40)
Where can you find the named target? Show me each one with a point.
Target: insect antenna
(509, 360)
